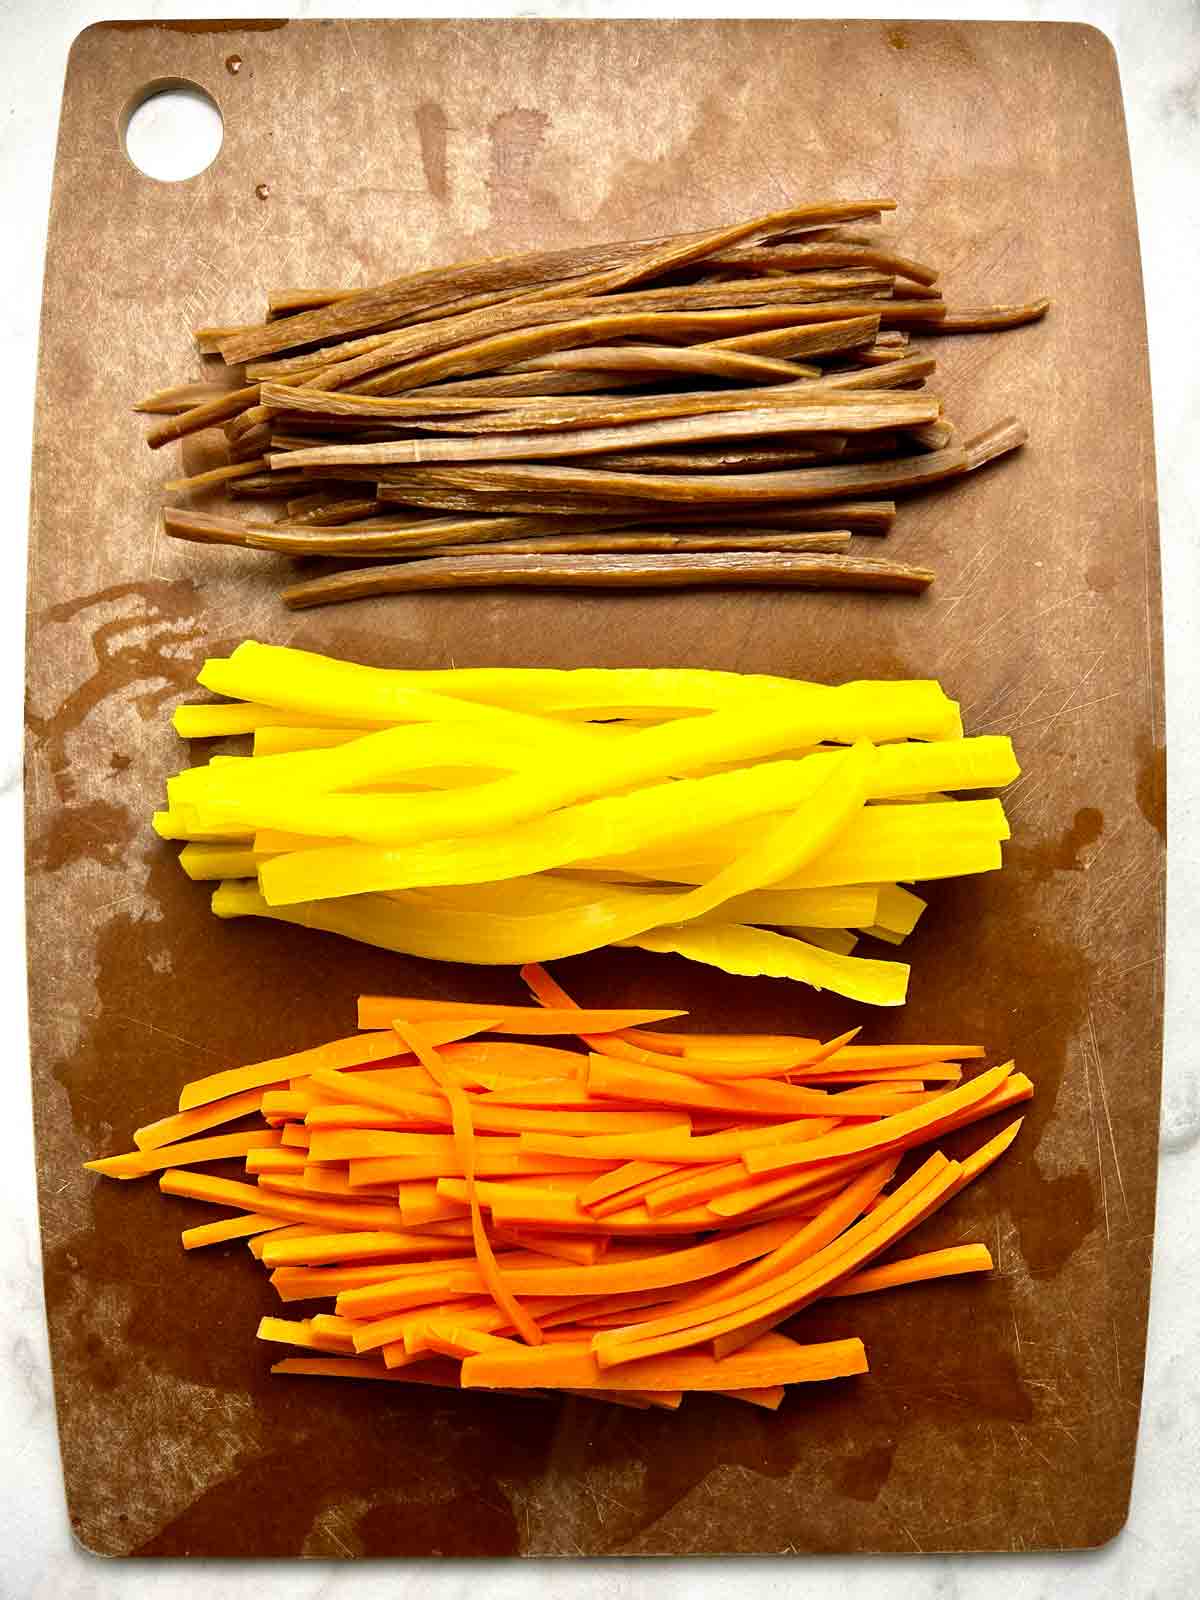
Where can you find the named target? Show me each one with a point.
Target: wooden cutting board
(998, 1414)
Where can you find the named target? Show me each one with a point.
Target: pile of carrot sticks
(472, 1209)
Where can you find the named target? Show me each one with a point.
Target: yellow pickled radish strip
(648, 818)
(273, 740)
(671, 749)
(756, 952)
(179, 823)
(880, 835)
(221, 721)
(832, 909)
(897, 910)
(301, 681)
(205, 862)
(418, 926)
(371, 759)
(291, 675)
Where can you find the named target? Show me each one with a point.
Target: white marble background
(1158, 1555)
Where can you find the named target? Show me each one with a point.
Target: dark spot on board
(92, 832)
(1101, 576)
(898, 39)
(862, 1477)
(1151, 786)
(118, 762)
(432, 123)
(1084, 831)
(233, 65)
(262, 191)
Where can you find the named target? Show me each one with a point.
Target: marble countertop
(1158, 47)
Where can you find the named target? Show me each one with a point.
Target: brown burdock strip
(611, 266)
(216, 475)
(493, 405)
(675, 571)
(657, 358)
(207, 415)
(602, 410)
(988, 319)
(181, 397)
(651, 541)
(758, 458)
(811, 339)
(823, 253)
(845, 414)
(733, 309)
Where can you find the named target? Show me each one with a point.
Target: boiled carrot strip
(278, 1330)
(252, 1197)
(292, 1230)
(222, 1146)
(772, 1360)
(584, 1252)
(726, 1071)
(316, 1283)
(323, 1249)
(751, 1097)
(770, 1399)
(438, 1374)
(206, 1233)
(878, 1135)
(379, 1011)
(276, 1160)
(373, 1172)
(499, 1119)
(350, 1052)
(619, 1179)
(462, 1119)
(185, 1124)
(754, 1194)
(915, 1269)
(663, 1269)
(302, 1184)
(752, 1307)
(294, 1136)
(331, 1334)
(756, 1278)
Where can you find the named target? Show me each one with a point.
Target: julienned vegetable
(629, 1223)
(607, 391)
(757, 824)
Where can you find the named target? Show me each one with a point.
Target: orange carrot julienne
(380, 1011)
(464, 1137)
(186, 1124)
(266, 1074)
(625, 1224)
(140, 1163)
(877, 1135)
(947, 1263)
(206, 1233)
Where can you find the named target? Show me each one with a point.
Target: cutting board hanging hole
(172, 130)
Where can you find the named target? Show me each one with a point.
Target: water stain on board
(863, 1477)
(95, 831)
(147, 647)
(432, 125)
(1151, 785)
